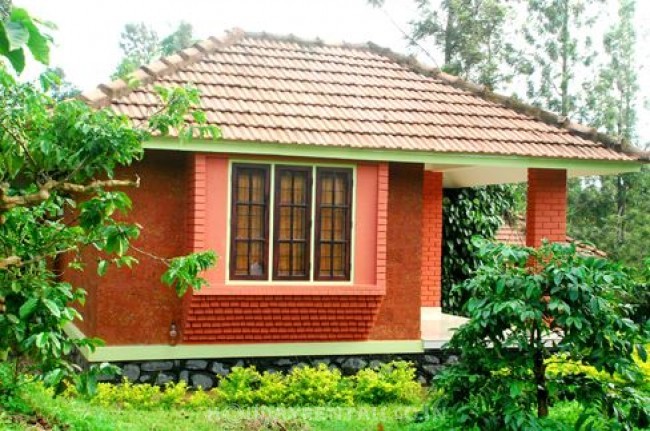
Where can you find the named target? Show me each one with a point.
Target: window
(292, 223)
(250, 221)
(333, 224)
(287, 247)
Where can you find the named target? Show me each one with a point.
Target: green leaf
(501, 285)
(28, 308)
(17, 60)
(38, 43)
(102, 266)
(17, 35)
(54, 309)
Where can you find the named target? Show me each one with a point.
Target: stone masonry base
(204, 372)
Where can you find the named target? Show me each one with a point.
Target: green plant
(272, 390)
(58, 197)
(318, 386)
(391, 383)
(127, 395)
(467, 213)
(519, 297)
(85, 383)
(11, 388)
(238, 387)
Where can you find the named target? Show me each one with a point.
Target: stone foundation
(204, 372)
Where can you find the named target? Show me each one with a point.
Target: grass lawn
(72, 414)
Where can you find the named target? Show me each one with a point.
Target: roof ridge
(548, 117)
(101, 96)
(318, 42)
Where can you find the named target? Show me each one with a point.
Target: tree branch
(8, 202)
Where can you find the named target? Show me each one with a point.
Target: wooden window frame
(348, 225)
(234, 199)
(308, 170)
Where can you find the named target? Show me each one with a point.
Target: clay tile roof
(513, 232)
(265, 88)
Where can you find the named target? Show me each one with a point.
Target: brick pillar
(196, 222)
(432, 239)
(547, 202)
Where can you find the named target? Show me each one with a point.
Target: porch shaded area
(545, 220)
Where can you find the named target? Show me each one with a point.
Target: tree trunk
(564, 84)
(620, 209)
(449, 33)
(540, 376)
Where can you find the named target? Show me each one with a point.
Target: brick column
(547, 202)
(432, 239)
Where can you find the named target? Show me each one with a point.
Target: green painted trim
(153, 352)
(347, 153)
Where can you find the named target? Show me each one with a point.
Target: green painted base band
(153, 352)
(379, 155)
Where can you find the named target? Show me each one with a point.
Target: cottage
(323, 200)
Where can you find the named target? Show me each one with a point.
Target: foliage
(472, 35)
(178, 39)
(519, 297)
(614, 212)
(58, 87)
(21, 33)
(560, 49)
(302, 386)
(79, 414)
(58, 197)
(145, 396)
(317, 386)
(470, 212)
(391, 383)
(141, 45)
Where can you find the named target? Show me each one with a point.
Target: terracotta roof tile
(269, 89)
(513, 232)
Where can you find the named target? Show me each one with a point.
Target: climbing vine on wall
(469, 212)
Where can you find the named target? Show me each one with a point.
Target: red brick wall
(236, 319)
(227, 313)
(133, 306)
(399, 315)
(547, 203)
(432, 239)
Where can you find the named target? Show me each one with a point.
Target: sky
(88, 30)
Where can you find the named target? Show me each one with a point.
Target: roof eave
(256, 148)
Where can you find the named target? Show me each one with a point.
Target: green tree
(557, 32)
(178, 39)
(529, 308)
(471, 34)
(59, 87)
(59, 195)
(141, 45)
(613, 211)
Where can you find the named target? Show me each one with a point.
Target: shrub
(309, 386)
(391, 383)
(239, 387)
(519, 298)
(303, 386)
(272, 390)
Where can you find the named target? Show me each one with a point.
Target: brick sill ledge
(300, 289)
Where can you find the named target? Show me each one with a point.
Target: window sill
(298, 289)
